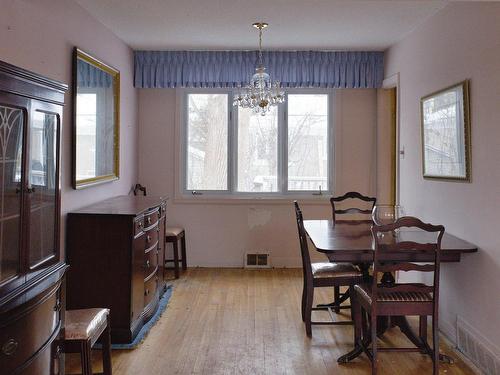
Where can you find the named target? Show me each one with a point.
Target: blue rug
(162, 306)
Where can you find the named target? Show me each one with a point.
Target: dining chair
(317, 275)
(359, 204)
(399, 299)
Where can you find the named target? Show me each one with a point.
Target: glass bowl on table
(383, 214)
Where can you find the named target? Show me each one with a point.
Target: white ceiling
(294, 24)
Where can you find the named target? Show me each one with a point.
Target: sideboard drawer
(21, 338)
(151, 237)
(151, 218)
(150, 286)
(150, 261)
(45, 360)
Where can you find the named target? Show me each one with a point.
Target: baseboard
(276, 262)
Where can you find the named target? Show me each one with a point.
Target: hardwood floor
(235, 321)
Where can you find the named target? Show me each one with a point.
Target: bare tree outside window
(207, 140)
(257, 151)
(307, 142)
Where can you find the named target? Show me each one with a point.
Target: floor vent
(477, 348)
(257, 260)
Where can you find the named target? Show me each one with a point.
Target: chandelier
(261, 93)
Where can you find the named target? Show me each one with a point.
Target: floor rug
(162, 306)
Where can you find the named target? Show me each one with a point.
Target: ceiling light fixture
(261, 93)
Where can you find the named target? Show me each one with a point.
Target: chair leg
(309, 304)
(106, 350)
(183, 251)
(422, 328)
(435, 345)
(303, 306)
(175, 246)
(374, 342)
(336, 298)
(86, 357)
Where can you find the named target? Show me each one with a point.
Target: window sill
(231, 200)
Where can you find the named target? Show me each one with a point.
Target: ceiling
(294, 24)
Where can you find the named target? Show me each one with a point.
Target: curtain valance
(168, 69)
(89, 76)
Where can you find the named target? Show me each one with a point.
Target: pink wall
(39, 35)
(219, 233)
(460, 42)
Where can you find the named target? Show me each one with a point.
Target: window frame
(232, 143)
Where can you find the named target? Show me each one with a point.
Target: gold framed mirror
(96, 121)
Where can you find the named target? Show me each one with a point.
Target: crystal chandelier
(261, 93)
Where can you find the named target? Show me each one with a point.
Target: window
(232, 150)
(207, 130)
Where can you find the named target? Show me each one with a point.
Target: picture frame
(96, 121)
(446, 133)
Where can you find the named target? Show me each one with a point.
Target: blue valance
(168, 69)
(89, 76)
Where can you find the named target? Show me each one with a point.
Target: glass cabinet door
(42, 186)
(11, 145)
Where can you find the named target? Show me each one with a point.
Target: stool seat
(82, 329)
(173, 231)
(85, 323)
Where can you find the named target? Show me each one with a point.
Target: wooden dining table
(351, 241)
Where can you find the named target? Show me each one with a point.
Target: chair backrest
(426, 241)
(304, 249)
(354, 195)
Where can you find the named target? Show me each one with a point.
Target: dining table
(351, 241)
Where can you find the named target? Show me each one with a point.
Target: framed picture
(446, 133)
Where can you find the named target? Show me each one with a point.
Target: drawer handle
(148, 220)
(148, 238)
(10, 347)
(147, 264)
(146, 292)
(58, 306)
(139, 224)
(58, 351)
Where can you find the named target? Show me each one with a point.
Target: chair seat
(365, 292)
(85, 323)
(332, 270)
(173, 231)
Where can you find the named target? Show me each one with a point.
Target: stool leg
(183, 250)
(175, 245)
(86, 357)
(106, 350)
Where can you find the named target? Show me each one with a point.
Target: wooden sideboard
(115, 249)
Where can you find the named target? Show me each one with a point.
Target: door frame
(393, 82)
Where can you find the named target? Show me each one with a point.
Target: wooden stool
(82, 329)
(173, 235)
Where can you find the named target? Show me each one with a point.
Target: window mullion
(232, 154)
(283, 147)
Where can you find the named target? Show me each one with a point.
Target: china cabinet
(31, 264)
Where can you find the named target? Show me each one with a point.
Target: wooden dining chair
(362, 204)
(359, 204)
(317, 275)
(400, 299)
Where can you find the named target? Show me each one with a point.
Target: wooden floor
(234, 321)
